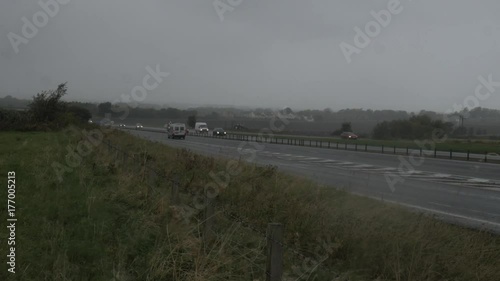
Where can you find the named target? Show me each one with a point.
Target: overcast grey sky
(267, 53)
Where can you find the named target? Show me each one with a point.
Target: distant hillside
(13, 103)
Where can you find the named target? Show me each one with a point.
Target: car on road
(239, 127)
(105, 122)
(122, 125)
(177, 130)
(201, 127)
(138, 126)
(218, 132)
(349, 136)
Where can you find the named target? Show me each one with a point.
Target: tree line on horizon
(349, 114)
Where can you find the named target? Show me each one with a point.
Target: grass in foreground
(105, 223)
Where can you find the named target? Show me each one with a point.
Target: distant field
(103, 222)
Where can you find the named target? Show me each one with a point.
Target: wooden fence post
(274, 267)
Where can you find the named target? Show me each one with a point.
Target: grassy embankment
(103, 223)
(480, 146)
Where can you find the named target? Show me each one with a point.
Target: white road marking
(478, 180)
(437, 175)
(497, 225)
(310, 158)
(361, 166)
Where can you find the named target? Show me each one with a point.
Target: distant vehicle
(122, 125)
(349, 136)
(105, 122)
(239, 127)
(177, 130)
(138, 126)
(90, 121)
(218, 132)
(201, 127)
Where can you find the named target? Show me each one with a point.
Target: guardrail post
(356, 147)
(394, 149)
(420, 152)
(366, 147)
(407, 150)
(382, 149)
(320, 143)
(486, 157)
(468, 155)
(451, 153)
(328, 144)
(274, 267)
(345, 145)
(337, 145)
(435, 152)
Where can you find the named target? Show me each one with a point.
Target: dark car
(219, 132)
(349, 136)
(239, 127)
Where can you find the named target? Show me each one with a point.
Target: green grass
(103, 222)
(480, 146)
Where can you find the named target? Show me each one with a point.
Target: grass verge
(104, 222)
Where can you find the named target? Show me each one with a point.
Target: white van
(201, 127)
(177, 130)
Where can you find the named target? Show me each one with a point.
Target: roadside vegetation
(46, 112)
(103, 222)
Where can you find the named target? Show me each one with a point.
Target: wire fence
(352, 145)
(211, 210)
